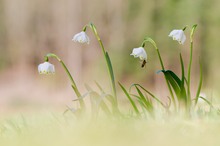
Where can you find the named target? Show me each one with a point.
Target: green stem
(147, 39)
(190, 61)
(161, 62)
(107, 59)
(73, 84)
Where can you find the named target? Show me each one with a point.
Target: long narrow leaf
(109, 97)
(175, 77)
(182, 87)
(208, 102)
(147, 103)
(153, 96)
(139, 100)
(99, 86)
(200, 83)
(98, 102)
(173, 83)
(130, 99)
(176, 83)
(111, 72)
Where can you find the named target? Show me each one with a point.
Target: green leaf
(175, 77)
(140, 101)
(145, 101)
(97, 101)
(208, 102)
(99, 86)
(148, 92)
(183, 95)
(200, 83)
(111, 99)
(176, 83)
(130, 99)
(171, 78)
(82, 96)
(111, 72)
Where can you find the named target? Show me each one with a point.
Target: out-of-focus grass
(58, 130)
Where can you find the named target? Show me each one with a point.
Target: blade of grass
(111, 73)
(145, 101)
(208, 102)
(130, 99)
(182, 86)
(153, 96)
(111, 99)
(200, 84)
(98, 102)
(174, 84)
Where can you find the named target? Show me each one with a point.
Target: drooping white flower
(81, 37)
(46, 68)
(178, 34)
(139, 52)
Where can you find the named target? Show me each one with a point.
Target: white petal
(173, 33)
(46, 68)
(183, 38)
(81, 38)
(139, 52)
(178, 35)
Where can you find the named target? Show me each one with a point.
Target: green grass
(58, 130)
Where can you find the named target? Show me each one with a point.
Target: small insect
(144, 63)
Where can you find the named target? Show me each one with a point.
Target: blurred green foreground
(54, 130)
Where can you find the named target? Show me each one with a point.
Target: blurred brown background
(29, 29)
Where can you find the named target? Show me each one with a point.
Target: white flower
(178, 35)
(139, 52)
(81, 38)
(46, 68)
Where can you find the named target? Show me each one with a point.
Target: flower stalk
(73, 84)
(190, 62)
(106, 56)
(147, 39)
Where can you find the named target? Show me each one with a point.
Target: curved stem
(73, 84)
(147, 39)
(107, 59)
